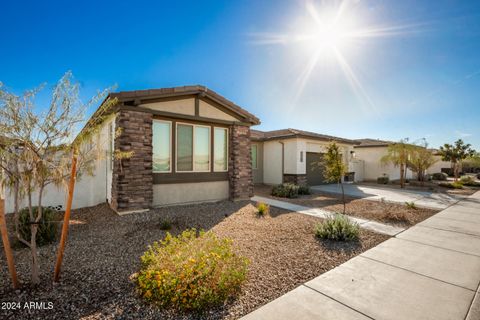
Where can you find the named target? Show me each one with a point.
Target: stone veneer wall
(132, 179)
(298, 179)
(240, 163)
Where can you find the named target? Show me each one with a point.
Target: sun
(331, 34)
(332, 28)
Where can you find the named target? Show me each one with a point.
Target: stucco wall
(437, 166)
(373, 168)
(208, 111)
(272, 162)
(294, 157)
(89, 190)
(169, 194)
(181, 106)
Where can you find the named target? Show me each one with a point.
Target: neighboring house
(368, 154)
(189, 145)
(440, 164)
(291, 155)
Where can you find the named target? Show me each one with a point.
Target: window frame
(256, 156)
(193, 125)
(169, 145)
(213, 148)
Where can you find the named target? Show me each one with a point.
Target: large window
(162, 138)
(193, 148)
(201, 148)
(254, 156)
(220, 153)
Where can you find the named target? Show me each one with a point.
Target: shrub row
(289, 190)
(440, 176)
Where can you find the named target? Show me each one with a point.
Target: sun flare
(330, 35)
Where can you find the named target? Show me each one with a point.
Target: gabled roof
(367, 143)
(137, 95)
(257, 135)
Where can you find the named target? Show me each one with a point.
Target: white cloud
(463, 134)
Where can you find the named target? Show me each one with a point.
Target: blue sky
(422, 81)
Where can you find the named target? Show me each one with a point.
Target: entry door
(315, 169)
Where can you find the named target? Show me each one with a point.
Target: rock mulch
(386, 212)
(104, 250)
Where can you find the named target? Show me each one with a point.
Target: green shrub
(263, 209)
(189, 272)
(304, 190)
(285, 190)
(469, 181)
(165, 224)
(440, 176)
(411, 205)
(338, 227)
(383, 180)
(452, 185)
(47, 228)
(457, 185)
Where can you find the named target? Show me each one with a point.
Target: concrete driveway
(434, 200)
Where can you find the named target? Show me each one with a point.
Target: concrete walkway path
(427, 199)
(430, 271)
(317, 212)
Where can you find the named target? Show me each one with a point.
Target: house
(440, 165)
(292, 155)
(189, 145)
(368, 154)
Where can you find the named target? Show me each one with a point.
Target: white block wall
(89, 190)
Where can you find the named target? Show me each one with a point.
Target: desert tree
(39, 144)
(420, 160)
(335, 168)
(456, 153)
(398, 154)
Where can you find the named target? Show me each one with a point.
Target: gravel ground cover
(104, 250)
(368, 209)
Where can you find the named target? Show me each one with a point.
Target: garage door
(314, 169)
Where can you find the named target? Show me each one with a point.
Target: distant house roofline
(372, 143)
(257, 135)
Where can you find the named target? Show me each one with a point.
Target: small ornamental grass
(452, 185)
(263, 209)
(469, 181)
(165, 224)
(190, 272)
(338, 227)
(411, 205)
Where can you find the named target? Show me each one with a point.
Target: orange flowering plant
(190, 271)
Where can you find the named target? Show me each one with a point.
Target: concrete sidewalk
(426, 199)
(430, 271)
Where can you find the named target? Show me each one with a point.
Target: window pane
(161, 146)
(254, 156)
(184, 147)
(202, 149)
(220, 153)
